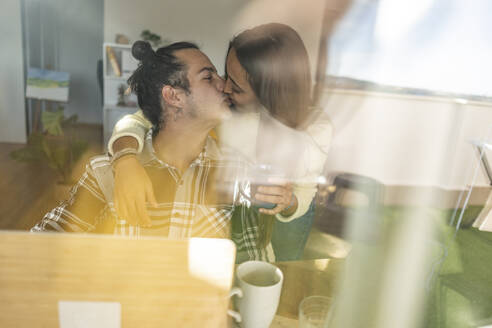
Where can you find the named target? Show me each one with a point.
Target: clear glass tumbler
(313, 311)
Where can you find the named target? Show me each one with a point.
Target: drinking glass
(313, 311)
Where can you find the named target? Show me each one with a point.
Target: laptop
(82, 280)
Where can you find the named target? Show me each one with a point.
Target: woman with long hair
(275, 126)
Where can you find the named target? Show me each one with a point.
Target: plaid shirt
(200, 203)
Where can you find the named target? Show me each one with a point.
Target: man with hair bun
(193, 179)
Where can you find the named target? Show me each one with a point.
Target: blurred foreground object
(171, 283)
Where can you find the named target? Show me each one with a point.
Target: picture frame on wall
(45, 84)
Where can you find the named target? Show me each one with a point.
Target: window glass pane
(438, 45)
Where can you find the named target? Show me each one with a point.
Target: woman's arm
(304, 194)
(128, 130)
(313, 161)
(132, 186)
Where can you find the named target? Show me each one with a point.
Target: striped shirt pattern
(202, 202)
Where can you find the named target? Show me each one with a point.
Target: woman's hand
(280, 194)
(132, 189)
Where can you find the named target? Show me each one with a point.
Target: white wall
(211, 23)
(406, 140)
(12, 110)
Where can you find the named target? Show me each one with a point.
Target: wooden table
(284, 322)
(302, 279)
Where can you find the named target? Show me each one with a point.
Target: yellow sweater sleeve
(133, 125)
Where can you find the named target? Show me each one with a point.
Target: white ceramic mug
(259, 286)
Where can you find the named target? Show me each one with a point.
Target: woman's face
(237, 87)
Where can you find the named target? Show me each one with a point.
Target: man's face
(237, 86)
(206, 100)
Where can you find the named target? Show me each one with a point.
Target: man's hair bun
(142, 51)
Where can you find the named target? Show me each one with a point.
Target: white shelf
(117, 45)
(111, 112)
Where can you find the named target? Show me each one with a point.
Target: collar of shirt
(148, 156)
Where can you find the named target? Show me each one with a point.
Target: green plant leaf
(25, 154)
(145, 34)
(32, 152)
(52, 122)
(60, 153)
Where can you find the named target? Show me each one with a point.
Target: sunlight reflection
(212, 260)
(396, 17)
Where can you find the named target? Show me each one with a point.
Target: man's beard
(193, 107)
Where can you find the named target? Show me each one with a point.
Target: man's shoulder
(99, 162)
(99, 169)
